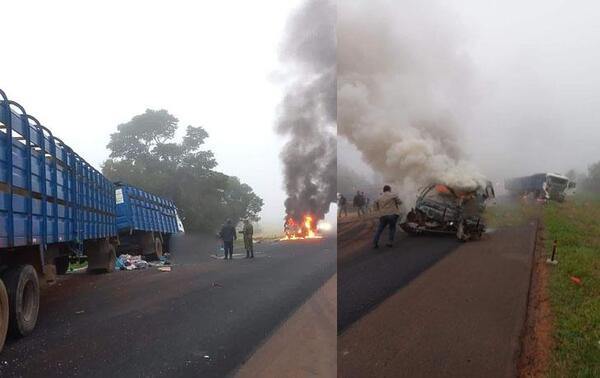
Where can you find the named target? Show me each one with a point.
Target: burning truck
(446, 210)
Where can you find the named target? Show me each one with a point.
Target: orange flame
(304, 230)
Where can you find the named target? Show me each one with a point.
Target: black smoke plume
(308, 111)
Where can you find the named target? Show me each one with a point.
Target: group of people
(228, 234)
(360, 202)
(387, 206)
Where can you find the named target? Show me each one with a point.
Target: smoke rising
(308, 111)
(401, 83)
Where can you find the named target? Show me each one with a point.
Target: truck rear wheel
(102, 257)
(151, 246)
(158, 248)
(3, 314)
(23, 290)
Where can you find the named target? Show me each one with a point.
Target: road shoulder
(305, 344)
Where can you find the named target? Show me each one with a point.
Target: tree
(592, 181)
(144, 154)
(572, 174)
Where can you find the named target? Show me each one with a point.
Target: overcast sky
(537, 62)
(82, 68)
(531, 70)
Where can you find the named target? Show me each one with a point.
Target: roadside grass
(77, 265)
(510, 214)
(575, 308)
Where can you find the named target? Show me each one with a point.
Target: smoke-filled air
(398, 85)
(308, 111)
(455, 92)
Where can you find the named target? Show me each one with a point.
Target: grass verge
(575, 308)
(77, 265)
(510, 214)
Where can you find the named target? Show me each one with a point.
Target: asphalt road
(202, 319)
(367, 276)
(432, 306)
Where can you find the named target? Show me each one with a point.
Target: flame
(301, 230)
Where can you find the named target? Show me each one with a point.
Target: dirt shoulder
(463, 317)
(305, 345)
(536, 341)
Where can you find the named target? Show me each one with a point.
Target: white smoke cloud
(402, 81)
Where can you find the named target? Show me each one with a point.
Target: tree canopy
(144, 153)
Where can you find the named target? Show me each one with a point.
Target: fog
(82, 68)
(458, 90)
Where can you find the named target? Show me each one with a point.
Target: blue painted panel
(58, 189)
(140, 210)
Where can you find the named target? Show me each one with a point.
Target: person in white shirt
(388, 207)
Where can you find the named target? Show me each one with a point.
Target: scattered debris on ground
(134, 262)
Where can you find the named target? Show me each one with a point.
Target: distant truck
(145, 221)
(547, 186)
(54, 204)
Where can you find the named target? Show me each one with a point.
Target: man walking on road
(388, 207)
(248, 231)
(228, 235)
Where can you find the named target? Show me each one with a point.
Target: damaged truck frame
(442, 209)
(543, 186)
(53, 205)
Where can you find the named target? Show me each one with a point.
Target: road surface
(432, 306)
(202, 319)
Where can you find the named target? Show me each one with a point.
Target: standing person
(342, 205)
(228, 235)
(367, 204)
(248, 231)
(363, 203)
(388, 206)
(357, 202)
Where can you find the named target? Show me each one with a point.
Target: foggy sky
(517, 80)
(83, 68)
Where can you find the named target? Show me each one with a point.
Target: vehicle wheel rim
(28, 301)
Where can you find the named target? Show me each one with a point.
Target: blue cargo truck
(53, 204)
(545, 186)
(145, 221)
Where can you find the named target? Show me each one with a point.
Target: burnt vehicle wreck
(442, 209)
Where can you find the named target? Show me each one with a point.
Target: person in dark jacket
(228, 235)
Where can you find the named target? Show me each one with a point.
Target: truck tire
(152, 247)
(23, 290)
(3, 314)
(112, 258)
(158, 248)
(62, 264)
(102, 258)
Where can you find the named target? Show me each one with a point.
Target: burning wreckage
(443, 209)
(305, 228)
